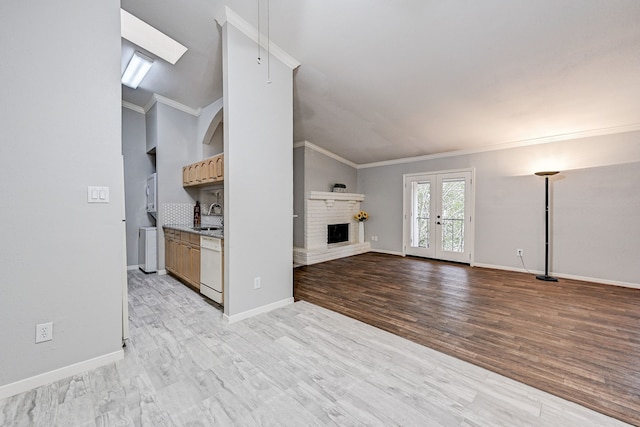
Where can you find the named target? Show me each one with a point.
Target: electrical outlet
(374, 238)
(519, 253)
(44, 332)
(256, 283)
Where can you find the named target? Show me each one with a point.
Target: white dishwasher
(211, 268)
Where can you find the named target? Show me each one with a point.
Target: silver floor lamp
(546, 276)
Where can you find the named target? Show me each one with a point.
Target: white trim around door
(438, 215)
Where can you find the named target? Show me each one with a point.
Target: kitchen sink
(207, 228)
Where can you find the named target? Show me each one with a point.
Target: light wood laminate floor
(577, 340)
(301, 365)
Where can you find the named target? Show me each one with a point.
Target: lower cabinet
(193, 272)
(182, 256)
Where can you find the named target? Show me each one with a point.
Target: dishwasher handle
(211, 243)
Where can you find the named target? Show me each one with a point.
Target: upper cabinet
(206, 172)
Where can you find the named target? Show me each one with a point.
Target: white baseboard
(502, 267)
(602, 281)
(562, 276)
(57, 374)
(383, 251)
(259, 310)
(161, 272)
(132, 267)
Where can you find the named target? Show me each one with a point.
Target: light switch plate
(97, 194)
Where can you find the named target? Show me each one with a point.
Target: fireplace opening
(337, 233)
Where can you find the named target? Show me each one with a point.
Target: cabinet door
(198, 172)
(173, 254)
(182, 259)
(220, 168)
(211, 169)
(167, 253)
(192, 174)
(203, 175)
(194, 266)
(185, 176)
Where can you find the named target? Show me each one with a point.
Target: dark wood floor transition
(577, 340)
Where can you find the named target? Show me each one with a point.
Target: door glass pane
(453, 215)
(421, 208)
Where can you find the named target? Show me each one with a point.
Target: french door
(437, 215)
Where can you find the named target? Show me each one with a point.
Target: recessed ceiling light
(136, 70)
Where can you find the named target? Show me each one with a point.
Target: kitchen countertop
(211, 233)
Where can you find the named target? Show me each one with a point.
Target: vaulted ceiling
(386, 79)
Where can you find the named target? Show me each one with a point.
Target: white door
(437, 215)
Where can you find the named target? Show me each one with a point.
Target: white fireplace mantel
(327, 195)
(321, 209)
(330, 197)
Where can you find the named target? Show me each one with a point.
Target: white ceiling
(386, 79)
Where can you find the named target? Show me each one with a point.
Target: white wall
(321, 172)
(138, 165)
(210, 135)
(315, 171)
(258, 119)
(595, 205)
(298, 196)
(217, 143)
(61, 259)
(177, 147)
(151, 127)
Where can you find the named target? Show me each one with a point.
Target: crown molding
(133, 107)
(327, 153)
(515, 144)
(165, 101)
(227, 15)
(505, 146)
(171, 103)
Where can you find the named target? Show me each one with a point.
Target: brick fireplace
(321, 210)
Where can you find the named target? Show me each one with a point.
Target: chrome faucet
(213, 205)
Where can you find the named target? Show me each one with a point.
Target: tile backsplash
(177, 213)
(182, 214)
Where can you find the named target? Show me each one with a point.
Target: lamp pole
(546, 276)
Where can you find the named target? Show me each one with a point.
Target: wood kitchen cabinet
(193, 272)
(185, 176)
(182, 256)
(169, 260)
(189, 175)
(170, 248)
(220, 168)
(206, 172)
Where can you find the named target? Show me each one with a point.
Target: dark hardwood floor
(577, 340)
